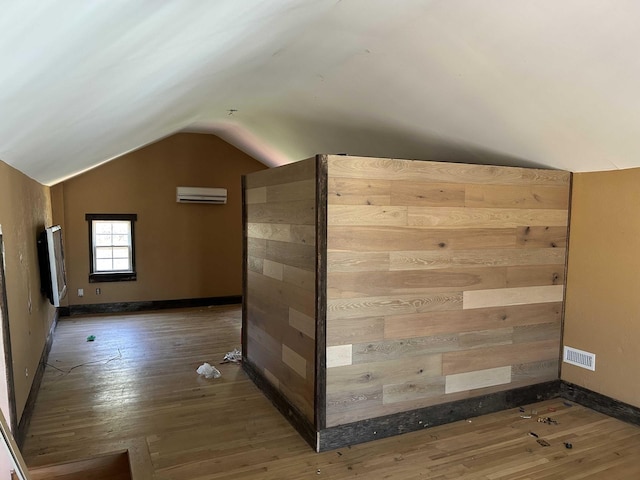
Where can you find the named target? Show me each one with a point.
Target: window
(111, 247)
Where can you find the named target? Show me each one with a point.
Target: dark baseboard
(123, 307)
(403, 422)
(20, 434)
(600, 403)
(304, 427)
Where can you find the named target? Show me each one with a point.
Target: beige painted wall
(25, 209)
(182, 251)
(603, 302)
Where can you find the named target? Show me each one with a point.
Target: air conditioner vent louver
(212, 196)
(579, 358)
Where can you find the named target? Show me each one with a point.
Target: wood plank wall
(445, 281)
(280, 279)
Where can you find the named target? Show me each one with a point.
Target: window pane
(121, 264)
(121, 252)
(100, 227)
(120, 240)
(104, 252)
(121, 228)
(104, 265)
(102, 240)
(112, 244)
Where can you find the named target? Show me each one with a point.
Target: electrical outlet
(81, 292)
(26, 372)
(98, 291)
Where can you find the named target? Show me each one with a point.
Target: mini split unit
(212, 196)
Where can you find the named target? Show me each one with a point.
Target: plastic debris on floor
(234, 356)
(208, 371)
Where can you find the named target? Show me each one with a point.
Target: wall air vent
(579, 358)
(212, 196)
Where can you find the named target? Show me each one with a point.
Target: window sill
(112, 277)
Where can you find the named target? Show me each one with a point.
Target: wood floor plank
(142, 389)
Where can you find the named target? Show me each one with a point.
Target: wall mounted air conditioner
(212, 196)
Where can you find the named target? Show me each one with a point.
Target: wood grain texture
(406, 240)
(541, 236)
(292, 191)
(368, 329)
(358, 261)
(297, 362)
(384, 372)
(460, 321)
(358, 191)
(503, 355)
(442, 172)
(301, 212)
(381, 238)
(339, 355)
(512, 296)
(367, 215)
(462, 382)
(410, 391)
(290, 173)
(420, 260)
(428, 195)
(338, 309)
(411, 281)
(484, 217)
(510, 196)
(282, 232)
(280, 278)
(303, 323)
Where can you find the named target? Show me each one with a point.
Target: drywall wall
(444, 281)
(281, 279)
(602, 305)
(183, 251)
(25, 209)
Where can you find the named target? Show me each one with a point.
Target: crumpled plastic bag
(208, 371)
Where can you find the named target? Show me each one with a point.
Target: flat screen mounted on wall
(53, 276)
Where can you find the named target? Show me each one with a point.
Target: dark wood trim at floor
(21, 432)
(304, 427)
(403, 422)
(125, 307)
(600, 403)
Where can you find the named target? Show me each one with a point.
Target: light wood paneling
(462, 382)
(503, 355)
(362, 329)
(280, 279)
(462, 265)
(420, 260)
(383, 238)
(442, 172)
(367, 215)
(467, 217)
(512, 296)
(459, 321)
(509, 196)
(358, 191)
(339, 355)
(303, 323)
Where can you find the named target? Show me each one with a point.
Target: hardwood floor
(137, 386)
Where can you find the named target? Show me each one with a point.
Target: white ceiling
(552, 83)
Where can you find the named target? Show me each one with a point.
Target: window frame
(128, 276)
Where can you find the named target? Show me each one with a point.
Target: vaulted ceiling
(553, 83)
